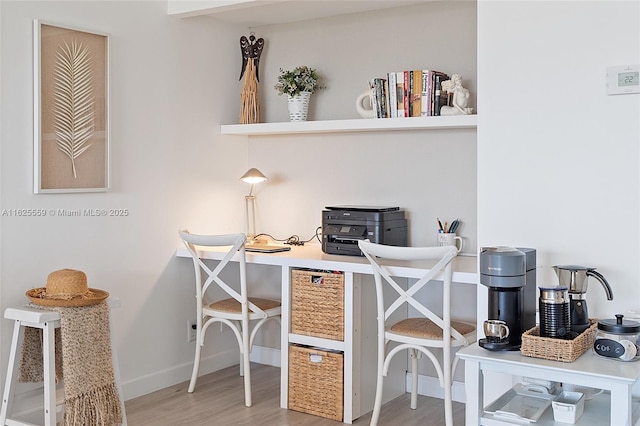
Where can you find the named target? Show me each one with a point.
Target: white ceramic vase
(299, 106)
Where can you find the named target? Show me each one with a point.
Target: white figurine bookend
(460, 97)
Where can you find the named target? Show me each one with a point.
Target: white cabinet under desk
(358, 343)
(615, 406)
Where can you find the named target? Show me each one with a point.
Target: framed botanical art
(71, 109)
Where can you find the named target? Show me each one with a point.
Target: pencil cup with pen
(447, 235)
(450, 239)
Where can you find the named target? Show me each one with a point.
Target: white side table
(589, 370)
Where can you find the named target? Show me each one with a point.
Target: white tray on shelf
(524, 403)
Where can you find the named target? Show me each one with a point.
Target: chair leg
(448, 408)
(414, 378)
(196, 364)
(241, 363)
(448, 400)
(246, 355)
(247, 380)
(377, 405)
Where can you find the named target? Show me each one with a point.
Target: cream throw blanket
(83, 348)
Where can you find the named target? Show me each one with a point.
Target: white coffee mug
(450, 239)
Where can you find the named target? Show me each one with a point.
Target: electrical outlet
(191, 331)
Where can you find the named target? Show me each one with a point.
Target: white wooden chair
(417, 335)
(235, 311)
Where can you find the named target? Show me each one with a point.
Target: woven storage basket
(316, 382)
(317, 304)
(557, 349)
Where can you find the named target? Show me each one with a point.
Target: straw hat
(66, 287)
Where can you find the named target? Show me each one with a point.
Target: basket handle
(315, 358)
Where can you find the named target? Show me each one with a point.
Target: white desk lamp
(252, 176)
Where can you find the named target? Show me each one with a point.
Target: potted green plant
(298, 84)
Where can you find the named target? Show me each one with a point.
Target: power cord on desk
(294, 240)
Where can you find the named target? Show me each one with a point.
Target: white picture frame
(71, 109)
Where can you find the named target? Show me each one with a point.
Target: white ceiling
(254, 13)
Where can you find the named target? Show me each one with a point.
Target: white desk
(589, 370)
(357, 389)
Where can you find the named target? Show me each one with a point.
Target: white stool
(48, 321)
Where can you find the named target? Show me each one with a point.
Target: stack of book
(415, 93)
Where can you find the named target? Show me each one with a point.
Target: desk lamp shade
(252, 176)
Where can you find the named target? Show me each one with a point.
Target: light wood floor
(219, 400)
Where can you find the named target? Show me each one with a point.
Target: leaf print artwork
(71, 110)
(74, 110)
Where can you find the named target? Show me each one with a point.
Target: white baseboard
(430, 386)
(28, 398)
(157, 380)
(161, 379)
(266, 356)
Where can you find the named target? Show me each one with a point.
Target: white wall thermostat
(623, 79)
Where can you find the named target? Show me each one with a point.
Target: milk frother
(553, 307)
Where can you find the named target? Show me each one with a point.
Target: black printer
(344, 226)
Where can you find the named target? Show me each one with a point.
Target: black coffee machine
(510, 274)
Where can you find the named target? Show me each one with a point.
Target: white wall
(173, 81)
(402, 168)
(168, 91)
(431, 174)
(558, 159)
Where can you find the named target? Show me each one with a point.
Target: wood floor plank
(219, 400)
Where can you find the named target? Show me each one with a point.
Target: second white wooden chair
(237, 310)
(417, 334)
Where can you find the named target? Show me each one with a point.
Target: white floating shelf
(356, 125)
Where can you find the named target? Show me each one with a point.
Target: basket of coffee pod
(618, 339)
